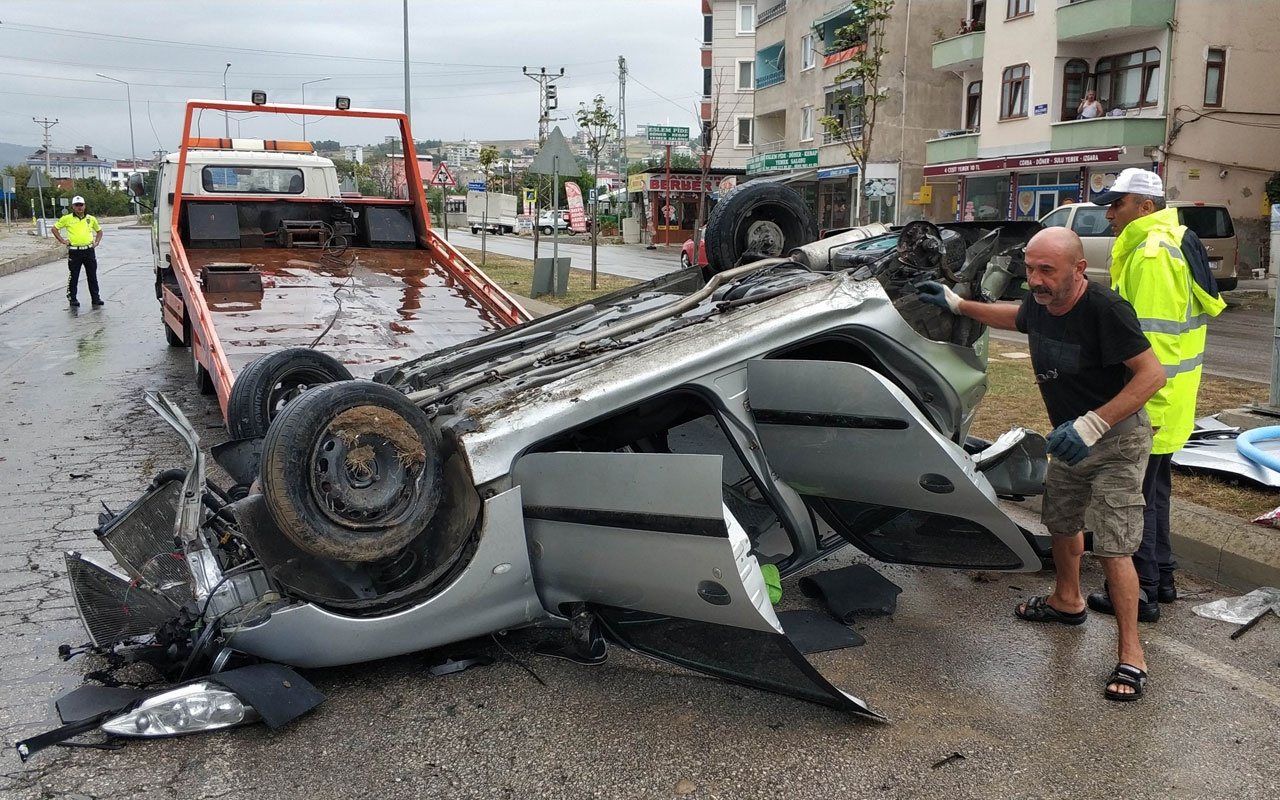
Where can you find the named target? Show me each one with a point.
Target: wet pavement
(952, 669)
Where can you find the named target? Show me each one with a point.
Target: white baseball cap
(1132, 181)
(77, 201)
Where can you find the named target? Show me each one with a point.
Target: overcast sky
(465, 64)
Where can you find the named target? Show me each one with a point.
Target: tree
(598, 123)
(859, 93)
(488, 157)
(1273, 188)
(712, 137)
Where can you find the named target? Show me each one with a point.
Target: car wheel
(547, 230)
(264, 387)
(203, 380)
(684, 260)
(757, 218)
(352, 471)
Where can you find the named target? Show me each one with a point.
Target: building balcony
(771, 13)
(1088, 134)
(854, 134)
(951, 148)
(1096, 20)
(770, 147)
(960, 53)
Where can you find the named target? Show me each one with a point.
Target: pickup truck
(277, 280)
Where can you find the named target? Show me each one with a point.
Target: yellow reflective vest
(1149, 270)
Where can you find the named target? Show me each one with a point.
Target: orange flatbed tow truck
(258, 252)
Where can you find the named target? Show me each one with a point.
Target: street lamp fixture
(128, 93)
(304, 102)
(226, 121)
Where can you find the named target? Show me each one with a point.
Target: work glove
(1071, 441)
(936, 294)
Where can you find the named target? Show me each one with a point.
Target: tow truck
(277, 280)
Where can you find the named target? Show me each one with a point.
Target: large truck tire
(268, 384)
(352, 471)
(203, 380)
(765, 219)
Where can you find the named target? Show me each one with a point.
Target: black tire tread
(248, 414)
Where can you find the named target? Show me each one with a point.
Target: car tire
(547, 230)
(268, 384)
(203, 380)
(352, 471)
(764, 218)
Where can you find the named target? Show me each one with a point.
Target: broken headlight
(193, 708)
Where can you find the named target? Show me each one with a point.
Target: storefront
(1027, 187)
(668, 211)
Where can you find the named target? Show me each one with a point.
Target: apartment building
(728, 80)
(796, 67)
(1187, 88)
(81, 163)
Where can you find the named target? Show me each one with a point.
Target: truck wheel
(203, 380)
(268, 384)
(176, 339)
(352, 471)
(757, 218)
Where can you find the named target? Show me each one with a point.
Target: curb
(1211, 544)
(30, 260)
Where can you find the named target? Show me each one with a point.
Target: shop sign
(666, 134)
(838, 172)
(787, 159)
(637, 182)
(1041, 160)
(682, 183)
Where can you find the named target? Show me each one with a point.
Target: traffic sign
(667, 134)
(475, 186)
(530, 198)
(443, 177)
(591, 195)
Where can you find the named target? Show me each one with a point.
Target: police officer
(82, 235)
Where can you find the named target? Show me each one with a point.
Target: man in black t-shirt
(1096, 371)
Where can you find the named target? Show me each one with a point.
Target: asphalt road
(952, 670)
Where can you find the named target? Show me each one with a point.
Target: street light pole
(304, 102)
(226, 121)
(133, 153)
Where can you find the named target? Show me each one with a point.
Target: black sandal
(1037, 609)
(1126, 675)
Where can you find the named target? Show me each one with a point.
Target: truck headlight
(193, 708)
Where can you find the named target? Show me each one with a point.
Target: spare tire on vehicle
(352, 471)
(765, 219)
(268, 384)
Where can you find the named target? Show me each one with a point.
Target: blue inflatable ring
(1246, 447)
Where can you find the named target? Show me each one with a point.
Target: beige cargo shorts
(1103, 492)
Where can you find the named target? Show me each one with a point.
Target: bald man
(1096, 371)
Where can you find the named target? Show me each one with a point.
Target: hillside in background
(14, 153)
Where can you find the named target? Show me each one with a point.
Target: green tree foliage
(1273, 188)
(326, 145)
(859, 92)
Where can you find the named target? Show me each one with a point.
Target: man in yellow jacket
(1162, 269)
(80, 232)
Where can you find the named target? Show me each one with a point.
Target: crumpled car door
(871, 465)
(646, 541)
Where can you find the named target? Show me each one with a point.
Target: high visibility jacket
(81, 231)
(1149, 270)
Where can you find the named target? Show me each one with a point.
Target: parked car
(686, 252)
(1210, 221)
(621, 470)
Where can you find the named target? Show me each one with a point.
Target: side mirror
(137, 189)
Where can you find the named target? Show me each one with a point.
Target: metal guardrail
(771, 13)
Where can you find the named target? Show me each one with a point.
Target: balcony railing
(771, 13)
(1097, 20)
(770, 147)
(850, 135)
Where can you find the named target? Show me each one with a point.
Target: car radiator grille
(113, 608)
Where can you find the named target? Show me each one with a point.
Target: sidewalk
(20, 249)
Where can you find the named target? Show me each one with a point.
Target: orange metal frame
(206, 347)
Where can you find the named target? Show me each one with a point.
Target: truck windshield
(252, 180)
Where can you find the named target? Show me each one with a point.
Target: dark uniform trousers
(77, 258)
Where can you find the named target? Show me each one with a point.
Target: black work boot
(1148, 610)
(1168, 591)
(72, 301)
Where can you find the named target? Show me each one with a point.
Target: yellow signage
(638, 182)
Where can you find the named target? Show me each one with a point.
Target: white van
(1211, 222)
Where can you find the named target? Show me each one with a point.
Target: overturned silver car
(621, 469)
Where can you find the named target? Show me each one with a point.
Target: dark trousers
(1154, 559)
(87, 259)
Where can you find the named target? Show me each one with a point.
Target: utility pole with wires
(622, 130)
(46, 124)
(548, 97)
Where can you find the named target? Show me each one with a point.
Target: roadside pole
(666, 238)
